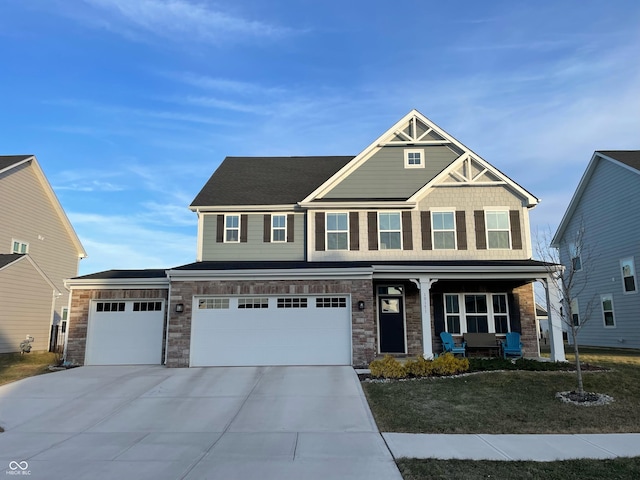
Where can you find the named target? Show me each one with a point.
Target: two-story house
(599, 239)
(332, 260)
(38, 250)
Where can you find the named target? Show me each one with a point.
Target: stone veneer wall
(413, 316)
(79, 315)
(363, 323)
(525, 298)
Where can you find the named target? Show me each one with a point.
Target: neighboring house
(38, 250)
(328, 260)
(605, 207)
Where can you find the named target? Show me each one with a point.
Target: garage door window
(213, 303)
(331, 302)
(147, 306)
(110, 307)
(292, 302)
(253, 302)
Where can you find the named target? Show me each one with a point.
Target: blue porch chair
(512, 346)
(448, 345)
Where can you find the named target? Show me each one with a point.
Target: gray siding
(609, 211)
(32, 218)
(26, 307)
(384, 176)
(255, 248)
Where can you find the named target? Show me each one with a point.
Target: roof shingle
(630, 158)
(8, 160)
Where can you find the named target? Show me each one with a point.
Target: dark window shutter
(437, 300)
(514, 312)
(481, 237)
(372, 221)
(354, 231)
(266, 237)
(319, 231)
(516, 231)
(425, 221)
(243, 228)
(220, 229)
(461, 230)
(290, 227)
(407, 231)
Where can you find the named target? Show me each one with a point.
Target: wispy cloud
(224, 85)
(91, 186)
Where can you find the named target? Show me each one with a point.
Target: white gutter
(112, 283)
(274, 274)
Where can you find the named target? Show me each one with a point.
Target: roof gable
(7, 260)
(266, 180)
(627, 159)
(7, 163)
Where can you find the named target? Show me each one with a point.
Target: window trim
(454, 231)
(573, 255)
(504, 210)
(20, 245)
(327, 231)
(631, 261)
(227, 229)
(613, 314)
(575, 312)
(408, 151)
(380, 231)
(284, 228)
(462, 313)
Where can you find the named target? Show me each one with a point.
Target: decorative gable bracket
(414, 132)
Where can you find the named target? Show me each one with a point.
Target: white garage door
(125, 332)
(270, 330)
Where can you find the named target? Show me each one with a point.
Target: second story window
(390, 231)
(628, 275)
(444, 230)
(19, 247)
(576, 259)
(497, 229)
(278, 228)
(414, 158)
(337, 231)
(232, 228)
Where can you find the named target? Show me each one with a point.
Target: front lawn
(14, 366)
(619, 468)
(512, 401)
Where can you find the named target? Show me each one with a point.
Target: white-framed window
(213, 304)
(278, 228)
(414, 158)
(607, 310)
(575, 312)
(63, 319)
(18, 246)
(576, 259)
(477, 313)
(337, 231)
(443, 227)
(498, 231)
(390, 231)
(232, 228)
(629, 284)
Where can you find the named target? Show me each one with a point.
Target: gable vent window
(213, 303)
(331, 302)
(147, 306)
(19, 247)
(414, 158)
(110, 307)
(292, 302)
(253, 302)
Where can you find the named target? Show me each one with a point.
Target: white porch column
(424, 284)
(555, 322)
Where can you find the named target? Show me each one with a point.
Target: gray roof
(7, 258)
(267, 180)
(8, 160)
(149, 273)
(630, 158)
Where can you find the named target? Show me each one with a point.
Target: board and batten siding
(28, 215)
(25, 298)
(255, 248)
(609, 211)
(384, 175)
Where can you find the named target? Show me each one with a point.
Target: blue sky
(131, 105)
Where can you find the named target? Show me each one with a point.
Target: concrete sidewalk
(543, 448)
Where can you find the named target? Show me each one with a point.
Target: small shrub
(419, 367)
(388, 367)
(448, 364)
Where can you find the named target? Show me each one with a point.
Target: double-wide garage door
(271, 330)
(125, 332)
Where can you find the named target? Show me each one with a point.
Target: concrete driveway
(158, 423)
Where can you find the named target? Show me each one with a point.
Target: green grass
(14, 366)
(619, 468)
(512, 401)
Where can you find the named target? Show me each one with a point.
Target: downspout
(167, 312)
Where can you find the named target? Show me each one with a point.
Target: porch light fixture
(179, 307)
(361, 305)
